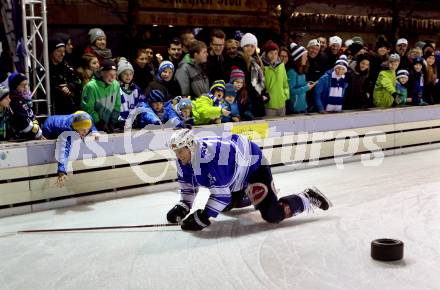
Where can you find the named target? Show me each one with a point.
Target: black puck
(387, 249)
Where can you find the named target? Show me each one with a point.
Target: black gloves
(196, 221)
(177, 213)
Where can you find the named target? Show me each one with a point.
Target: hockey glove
(177, 213)
(196, 221)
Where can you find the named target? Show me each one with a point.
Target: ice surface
(324, 250)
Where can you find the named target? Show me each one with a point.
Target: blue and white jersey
(221, 164)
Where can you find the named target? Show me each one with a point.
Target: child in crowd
(98, 45)
(165, 81)
(229, 103)
(5, 113)
(207, 109)
(22, 122)
(402, 91)
(358, 84)
(130, 93)
(54, 126)
(385, 93)
(237, 78)
(89, 66)
(101, 97)
(416, 82)
(143, 66)
(157, 111)
(183, 108)
(330, 89)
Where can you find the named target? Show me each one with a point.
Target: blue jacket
(322, 91)
(53, 127)
(149, 116)
(298, 87)
(233, 108)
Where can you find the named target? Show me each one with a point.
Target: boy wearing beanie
(101, 97)
(385, 94)
(183, 108)
(229, 103)
(402, 79)
(207, 109)
(23, 122)
(54, 126)
(130, 92)
(157, 111)
(330, 89)
(416, 84)
(165, 81)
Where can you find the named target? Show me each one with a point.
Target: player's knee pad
(273, 214)
(257, 192)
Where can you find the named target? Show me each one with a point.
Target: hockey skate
(317, 198)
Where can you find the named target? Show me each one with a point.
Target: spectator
(175, 52)
(357, 93)
(298, 86)
(431, 88)
(243, 101)
(89, 66)
(332, 53)
(379, 60)
(54, 126)
(401, 89)
(216, 61)
(414, 52)
(429, 47)
(254, 76)
(183, 109)
(65, 85)
(157, 111)
(233, 57)
(385, 93)
(143, 68)
(275, 81)
(192, 79)
(330, 89)
(322, 43)
(315, 69)
(70, 58)
(284, 55)
(98, 45)
(101, 97)
(23, 122)
(131, 95)
(416, 84)
(230, 104)
(165, 82)
(187, 38)
(207, 109)
(401, 49)
(5, 113)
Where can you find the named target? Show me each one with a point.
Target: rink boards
(121, 165)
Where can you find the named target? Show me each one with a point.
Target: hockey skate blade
(330, 204)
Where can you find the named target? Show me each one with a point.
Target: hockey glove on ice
(196, 221)
(177, 213)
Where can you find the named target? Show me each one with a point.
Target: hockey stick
(96, 228)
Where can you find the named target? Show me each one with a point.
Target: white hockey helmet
(181, 138)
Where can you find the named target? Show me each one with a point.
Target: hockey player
(234, 170)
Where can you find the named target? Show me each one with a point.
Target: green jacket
(384, 89)
(277, 85)
(102, 101)
(204, 111)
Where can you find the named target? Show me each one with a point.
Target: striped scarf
(336, 94)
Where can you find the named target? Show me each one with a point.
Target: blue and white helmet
(182, 138)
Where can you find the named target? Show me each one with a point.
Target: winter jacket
(216, 68)
(53, 127)
(143, 76)
(23, 122)
(245, 108)
(61, 74)
(356, 96)
(192, 79)
(204, 111)
(322, 91)
(403, 93)
(131, 95)
(275, 80)
(233, 108)
(169, 89)
(149, 116)
(102, 101)
(384, 89)
(298, 86)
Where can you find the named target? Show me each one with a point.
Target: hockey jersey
(221, 164)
